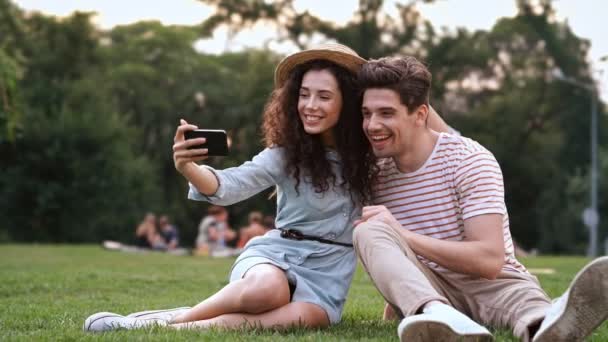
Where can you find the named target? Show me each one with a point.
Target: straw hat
(337, 53)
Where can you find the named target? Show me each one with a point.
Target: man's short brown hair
(406, 75)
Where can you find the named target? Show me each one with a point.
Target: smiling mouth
(379, 138)
(311, 119)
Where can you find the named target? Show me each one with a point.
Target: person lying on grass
(322, 166)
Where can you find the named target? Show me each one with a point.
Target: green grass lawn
(46, 292)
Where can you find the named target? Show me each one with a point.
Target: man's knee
(368, 231)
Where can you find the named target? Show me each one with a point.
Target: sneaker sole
(435, 331)
(587, 305)
(143, 314)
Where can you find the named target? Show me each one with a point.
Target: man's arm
(436, 123)
(479, 185)
(481, 253)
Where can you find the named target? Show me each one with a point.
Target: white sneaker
(159, 315)
(581, 309)
(107, 321)
(441, 322)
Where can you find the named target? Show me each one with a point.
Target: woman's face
(319, 104)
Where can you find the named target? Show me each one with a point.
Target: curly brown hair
(283, 127)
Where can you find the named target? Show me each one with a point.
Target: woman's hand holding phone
(183, 155)
(185, 160)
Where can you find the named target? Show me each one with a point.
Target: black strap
(294, 234)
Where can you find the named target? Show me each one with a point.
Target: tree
(97, 110)
(71, 174)
(154, 77)
(74, 178)
(10, 113)
(495, 88)
(371, 32)
(11, 58)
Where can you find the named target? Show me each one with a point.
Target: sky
(585, 17)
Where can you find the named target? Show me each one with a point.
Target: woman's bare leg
(263, 288)
(293, 314)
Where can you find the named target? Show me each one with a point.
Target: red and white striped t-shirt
(459, 180)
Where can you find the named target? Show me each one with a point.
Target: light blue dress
(321, 273)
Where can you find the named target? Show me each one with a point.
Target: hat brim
(344, 59)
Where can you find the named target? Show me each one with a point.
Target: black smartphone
(217, 140)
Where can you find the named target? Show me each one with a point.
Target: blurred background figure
(146, 235)
(268, 222)
(214, 232)
(254, 228)
(150, 236)
(168, 233)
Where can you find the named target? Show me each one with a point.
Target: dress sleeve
(239, 183)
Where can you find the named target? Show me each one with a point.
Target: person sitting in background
(268, 222)
(168, 233)
(214, 231)
(254, 228)
(146, 235)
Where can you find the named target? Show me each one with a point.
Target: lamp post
(591, 217)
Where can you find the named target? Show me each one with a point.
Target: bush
(74, 179)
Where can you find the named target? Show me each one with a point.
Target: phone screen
(216, 144)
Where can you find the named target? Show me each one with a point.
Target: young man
(437, 243)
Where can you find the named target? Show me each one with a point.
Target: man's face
(387, 123)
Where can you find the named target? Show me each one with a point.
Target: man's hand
(378, 213)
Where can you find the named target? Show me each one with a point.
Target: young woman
(322, 166)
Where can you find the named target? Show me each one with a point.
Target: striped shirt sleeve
(479, 185)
